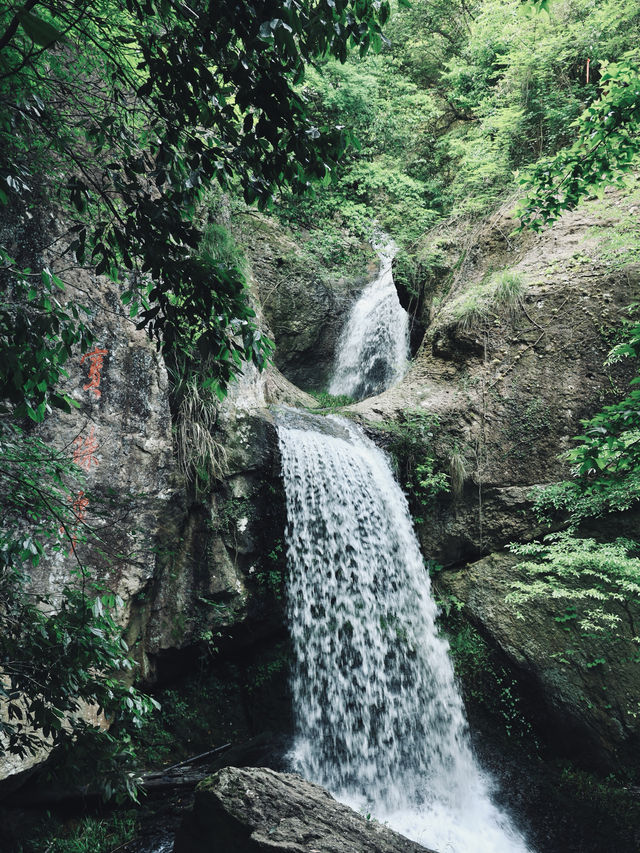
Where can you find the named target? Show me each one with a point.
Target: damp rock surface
(254, 809)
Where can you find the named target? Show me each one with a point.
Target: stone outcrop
(507, 394)
(120, 436)
(304, 306)
(247, 810)
(193, 570)
(221, 562)
(509, 391)
(588, 685)
(214, 574)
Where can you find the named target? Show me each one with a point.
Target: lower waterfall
(379, 719)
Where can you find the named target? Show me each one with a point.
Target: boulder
(587, 687)
(252, 809)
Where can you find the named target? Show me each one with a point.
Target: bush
(499, 298)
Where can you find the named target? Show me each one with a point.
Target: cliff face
(121, 437)
(508, 383)
(508, 386)
(194, 569)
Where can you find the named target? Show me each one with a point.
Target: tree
(605, 150)
(129, 110)
(122, 114)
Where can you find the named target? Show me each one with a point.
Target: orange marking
(96, 360)
(80, 505)
(84, 451)
(79, 509)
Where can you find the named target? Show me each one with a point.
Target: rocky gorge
(503, 396)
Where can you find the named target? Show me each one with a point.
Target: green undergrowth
(333, 251)
(200, 714)
(488, 684)
(226, 702)
(53, 833)
(320, 249)
(582, 811)
(603, 798)
(411, 441)
(498, 297)
(329, 402)
(593, 585)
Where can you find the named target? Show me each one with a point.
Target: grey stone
(591, 710)
(253, 809)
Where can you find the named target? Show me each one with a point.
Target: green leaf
(41, 32)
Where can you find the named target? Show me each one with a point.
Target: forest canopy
(125, 113)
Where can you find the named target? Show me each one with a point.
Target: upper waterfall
(379, 719)
(373, 349)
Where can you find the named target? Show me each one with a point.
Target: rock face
(247, 810)
(508, 391)
(304, 306)
(214, 572)
(221, 564)
(588, 686)
(192, 570)
(120, 436)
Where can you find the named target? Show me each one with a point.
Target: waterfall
(373, 348)
(379, 719)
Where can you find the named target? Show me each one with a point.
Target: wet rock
(304, 305)
(247, 810)
(587, 686)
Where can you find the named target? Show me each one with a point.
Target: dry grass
(501, 296)
(201, 458)
(457, 472)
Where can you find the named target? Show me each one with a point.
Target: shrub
(499, 297)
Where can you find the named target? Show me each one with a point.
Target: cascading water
(373, 348)
(379, 719)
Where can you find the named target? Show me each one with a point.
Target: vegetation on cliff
(464, 95)
(126, 114)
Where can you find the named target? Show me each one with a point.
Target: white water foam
(379, 719)
(373, 349)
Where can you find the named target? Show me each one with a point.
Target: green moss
(411, 440)
(489, 686)
(331, 401)
(526, 425)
